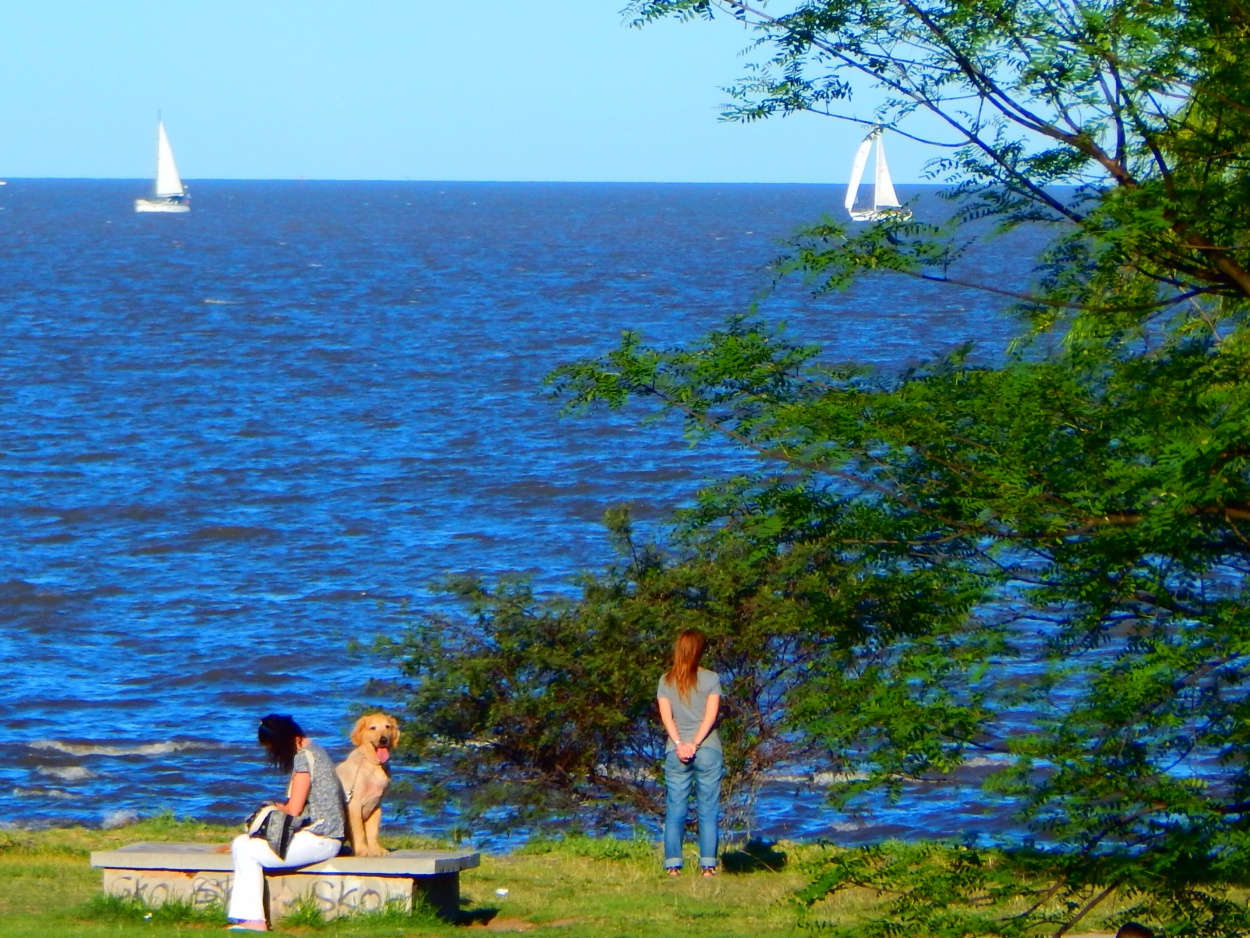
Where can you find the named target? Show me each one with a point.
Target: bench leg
(440, 892)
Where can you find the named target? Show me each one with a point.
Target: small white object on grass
(501, 892)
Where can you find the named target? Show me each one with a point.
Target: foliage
(1042, 563)
(946, 889)
(1060, 543)
(1079, 515)
(541, 710)
(523, 705)
(1140, 107)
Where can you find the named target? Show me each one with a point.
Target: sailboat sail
(884, 199)
(857, 171)
(884, 195)
(168, 183)
(169, 195)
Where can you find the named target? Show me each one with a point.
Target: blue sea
(239, 443)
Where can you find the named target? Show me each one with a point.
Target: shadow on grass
(754, 856)
(479, 916)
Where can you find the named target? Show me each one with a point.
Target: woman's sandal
(674, 871)
(709, 871)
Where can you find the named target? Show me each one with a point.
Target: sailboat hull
(879, 213)
(161, 205)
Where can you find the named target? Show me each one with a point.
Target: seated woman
(314, 799)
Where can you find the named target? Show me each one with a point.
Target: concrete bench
(201, 874)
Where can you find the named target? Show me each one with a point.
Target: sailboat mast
(877, 170)
(156, 176)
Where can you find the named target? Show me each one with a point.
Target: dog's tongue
(383, 753)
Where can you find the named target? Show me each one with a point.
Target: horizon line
(572, 182)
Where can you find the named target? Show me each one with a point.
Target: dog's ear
(395, 738)
(358, 731)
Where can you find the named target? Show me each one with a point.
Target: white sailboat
(885, 202)
(169, 194)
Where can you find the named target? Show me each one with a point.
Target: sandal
(709, 871)
(674, 871)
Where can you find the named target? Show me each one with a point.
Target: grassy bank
(575, 887)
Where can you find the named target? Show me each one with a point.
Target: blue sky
(392, 89)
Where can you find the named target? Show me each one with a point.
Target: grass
(574, 888)
(577, 887)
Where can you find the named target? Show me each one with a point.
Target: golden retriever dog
(364, 777)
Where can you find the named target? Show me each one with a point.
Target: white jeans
(252, 857)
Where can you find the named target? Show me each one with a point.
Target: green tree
(1140, 106)
(543, 710)
(1043, 561)
(1082, 514)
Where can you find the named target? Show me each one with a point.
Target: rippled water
(234, 441)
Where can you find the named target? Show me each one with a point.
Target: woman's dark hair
(278, 733)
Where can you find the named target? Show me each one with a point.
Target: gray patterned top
(325, 796)
(688, 714)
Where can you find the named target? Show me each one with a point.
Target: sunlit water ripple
(237, 440)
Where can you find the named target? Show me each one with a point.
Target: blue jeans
(705, 770)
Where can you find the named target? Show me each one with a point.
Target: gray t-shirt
(325, 796)
(688, 715)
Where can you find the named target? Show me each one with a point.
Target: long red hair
(684, 674)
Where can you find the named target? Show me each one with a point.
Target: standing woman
(689, 699)
(314, 799)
